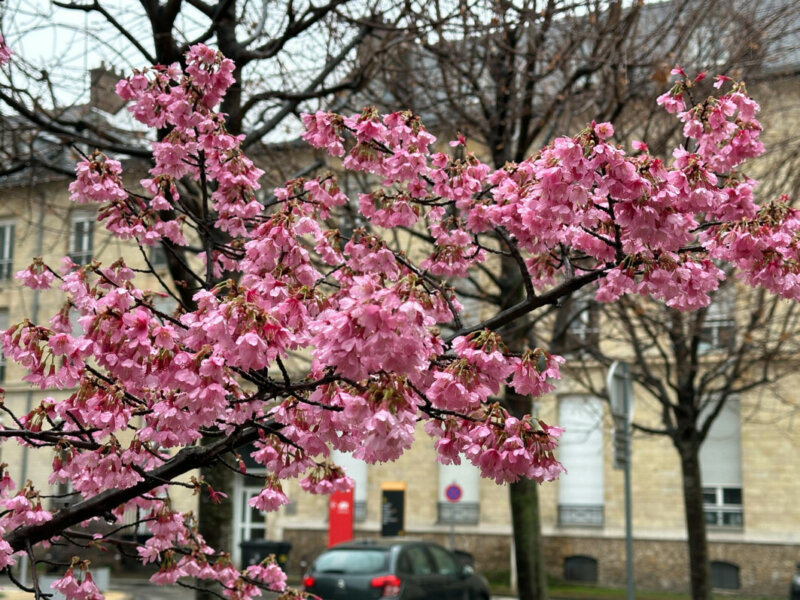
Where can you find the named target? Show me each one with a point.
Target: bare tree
(510, 75)
(690, 366)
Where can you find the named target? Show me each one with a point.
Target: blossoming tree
(149, 396)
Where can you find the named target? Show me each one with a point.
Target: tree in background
(513, 75)
(690, 368)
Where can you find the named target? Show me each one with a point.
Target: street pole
(620, 395)
(452, 527)
(628, 508)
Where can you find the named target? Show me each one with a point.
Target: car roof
(378, 543)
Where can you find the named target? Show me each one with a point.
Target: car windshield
(353, 561)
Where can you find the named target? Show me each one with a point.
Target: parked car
(398, 569)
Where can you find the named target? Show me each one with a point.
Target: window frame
(579, 504)
(720, 508)
(84, 254)
(7, 250)
(717, 330)
(157, 255)
(5, 323)
(582, 329)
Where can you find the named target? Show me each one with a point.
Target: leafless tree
(689, 367)
(511, 75)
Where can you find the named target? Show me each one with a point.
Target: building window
(580, 568)
(357, 471)
(580, 327)
(724, 575)
(723, 506)
(81, 239)
(458, 493)
(6, 249)
(64, 494)
(158, 256)
(721, 467)
(253, 522)
(3, 327)
(580, 490)
(249, 523)
(718, 325)
(166, 305)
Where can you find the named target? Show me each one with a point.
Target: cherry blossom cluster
(5, 52)
(375, 309)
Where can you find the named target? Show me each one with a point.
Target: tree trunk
(524, 494)
(531, 581)
(215, 521)
(699, 569)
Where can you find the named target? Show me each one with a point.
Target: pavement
(137, 589)
(119, 589)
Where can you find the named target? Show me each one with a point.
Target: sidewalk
(135, 589)
(118, 589)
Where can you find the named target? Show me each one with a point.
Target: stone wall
(764, 569)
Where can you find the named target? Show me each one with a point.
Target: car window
(352, 561)
(414, 560)
(445, 563)
(404, 563)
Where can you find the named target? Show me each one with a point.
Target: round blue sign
(453, 492)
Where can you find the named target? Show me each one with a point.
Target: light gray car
(392, 568)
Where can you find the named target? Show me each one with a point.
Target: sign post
(453, 493)
(393, 500)
(620, 395)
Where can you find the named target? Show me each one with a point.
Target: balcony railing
(458, 512)
(580, 515)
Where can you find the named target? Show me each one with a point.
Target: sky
(68, 43)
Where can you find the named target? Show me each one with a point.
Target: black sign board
(393, 500)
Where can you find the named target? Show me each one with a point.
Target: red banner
(340, 517)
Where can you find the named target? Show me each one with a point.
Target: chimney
(101, 92)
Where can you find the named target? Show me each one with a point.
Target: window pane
(404, 564)
(82, 239)
(3, 327)
(353, 561)
(724, 575)
(732, 496)
(256, 516)
(420, 565)
(733, 519)
(709, 496)
(580, 568)
(712, 517)
(158, 256)
(445, 563)
(581, 451)
(6, 250)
